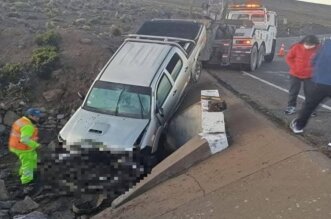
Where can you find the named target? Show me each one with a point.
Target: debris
(32, 215)
(25, 206)
(88, 204)
(10, 118)
(3, 191)
(53, 95)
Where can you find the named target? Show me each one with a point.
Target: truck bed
(171, 28)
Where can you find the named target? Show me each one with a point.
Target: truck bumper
(240, 55)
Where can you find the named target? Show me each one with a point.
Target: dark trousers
(317, 95)
(295, 86)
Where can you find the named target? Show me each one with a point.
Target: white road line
(279, 88)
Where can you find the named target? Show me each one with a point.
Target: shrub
(44, 61)
(10, 73)
(49, 38)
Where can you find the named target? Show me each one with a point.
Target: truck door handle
(174, 93)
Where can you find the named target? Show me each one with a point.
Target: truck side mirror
(80, 95)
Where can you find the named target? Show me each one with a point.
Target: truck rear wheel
(253, 59)
(261, 56)
(269, 58)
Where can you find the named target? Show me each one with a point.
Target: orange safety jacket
(15, 135)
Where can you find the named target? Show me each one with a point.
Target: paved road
(266, 89)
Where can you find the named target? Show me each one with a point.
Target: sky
(326, 2)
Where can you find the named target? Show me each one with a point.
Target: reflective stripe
(15, 134)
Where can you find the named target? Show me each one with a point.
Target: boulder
(32, 215)
(3, 191)
(4, 214)
(53, 95)
(10, 118)
(25, 206)
(6, 204)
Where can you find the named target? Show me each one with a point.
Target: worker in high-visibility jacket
(23, 142)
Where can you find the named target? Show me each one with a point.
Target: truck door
(179, 73)
(165, 100)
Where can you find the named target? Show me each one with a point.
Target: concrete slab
(192, 152)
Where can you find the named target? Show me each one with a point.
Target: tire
(261, 55)
(253, 59)
(269, 58)
(197, 72)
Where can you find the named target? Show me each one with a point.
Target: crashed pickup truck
(137, 92)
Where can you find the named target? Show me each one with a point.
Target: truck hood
(112, 131)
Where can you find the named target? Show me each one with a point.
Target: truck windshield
(240, 17)
(258, 17)
(119, 100)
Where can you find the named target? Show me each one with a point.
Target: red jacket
(299, 59)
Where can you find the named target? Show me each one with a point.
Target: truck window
(240, 17)
(174, 67)
(163, 90)
(258, 17)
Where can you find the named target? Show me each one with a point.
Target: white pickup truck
(129, 104)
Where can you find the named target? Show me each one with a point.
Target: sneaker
(293, 127)
(290, 110)
(32, 189)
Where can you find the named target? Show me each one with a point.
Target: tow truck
(243, 34)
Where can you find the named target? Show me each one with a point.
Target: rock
(60, 116)
(85, 41)
(53, 95)
(32, 215)
(10, 118)
(80, 21)
(25, 206)
(4, 214)
(2, 129)
(86, 27)
(6, 204)
(3, 191)
(3, 106)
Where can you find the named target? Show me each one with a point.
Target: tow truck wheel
(197, 72)
(261, 56)
(270, 57)
(253, 59)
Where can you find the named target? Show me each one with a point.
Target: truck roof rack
(184, 44)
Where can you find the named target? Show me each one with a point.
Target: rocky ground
(90, 32)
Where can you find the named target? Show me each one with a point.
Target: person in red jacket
(299, 60)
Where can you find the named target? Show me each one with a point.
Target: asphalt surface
(266, 90)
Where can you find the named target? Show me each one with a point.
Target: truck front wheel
(197, 72)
